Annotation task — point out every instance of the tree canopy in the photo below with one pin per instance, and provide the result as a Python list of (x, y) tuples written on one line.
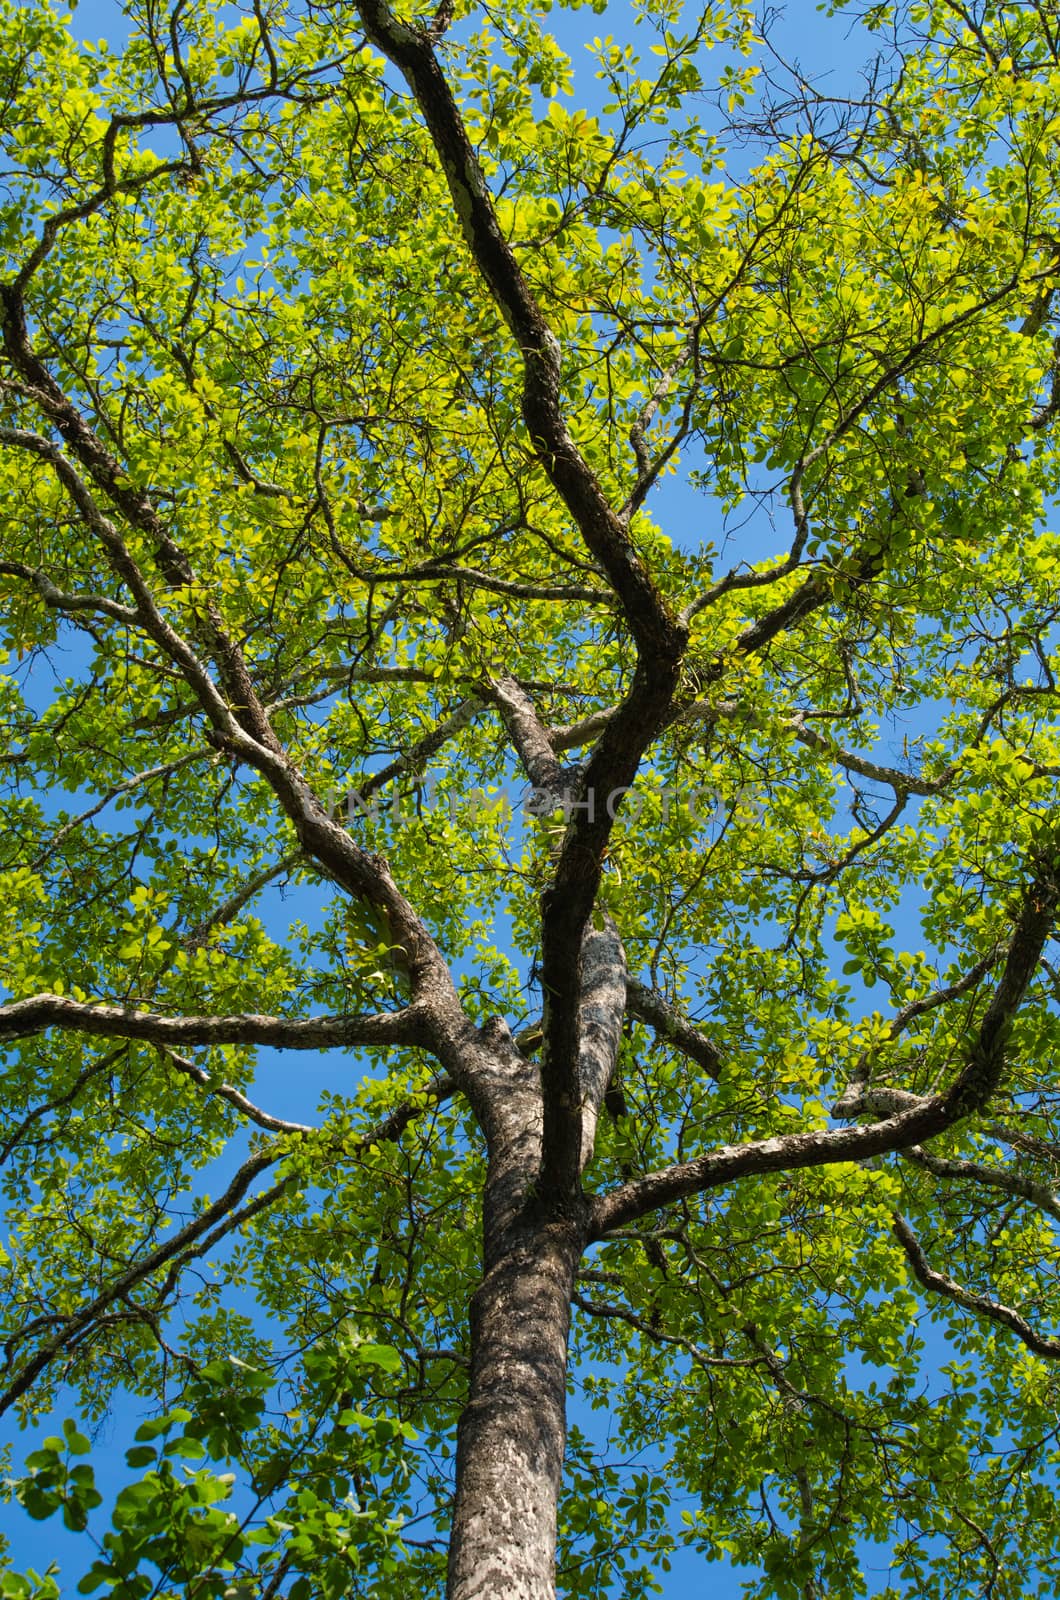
[(667, 894)]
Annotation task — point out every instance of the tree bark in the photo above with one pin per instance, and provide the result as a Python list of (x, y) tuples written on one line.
[(513, 1430)]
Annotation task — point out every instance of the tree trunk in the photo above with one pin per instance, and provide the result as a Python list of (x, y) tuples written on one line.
[(512, 1433)]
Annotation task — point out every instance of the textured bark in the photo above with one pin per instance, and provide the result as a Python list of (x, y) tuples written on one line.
[(603, 985), (653, 1008), (513, 1430), (24, 1018)]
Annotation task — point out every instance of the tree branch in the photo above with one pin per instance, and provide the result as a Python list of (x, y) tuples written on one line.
[(860, 1096), (442, 571), (1011, 1183), (785, 1153), (532, 743), (53, 596), (649, 1006), (91, 1070), (603, 1002), (969, 1094), (137, 781), (250, 737), (230, 908), (570, 736), (146, 613), (235, 1098), (950, 1289), (387, 1131), (411, 50), (136, 506), (413, 759), (903, 783), (197, 1237), (697, 1355), (568, 902), (22, 1019), (81, 1320)]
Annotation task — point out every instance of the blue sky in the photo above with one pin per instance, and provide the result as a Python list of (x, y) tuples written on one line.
[(827, 50)]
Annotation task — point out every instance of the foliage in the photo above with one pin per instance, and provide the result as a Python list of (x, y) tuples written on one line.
[(331, 522), (173, 1530)]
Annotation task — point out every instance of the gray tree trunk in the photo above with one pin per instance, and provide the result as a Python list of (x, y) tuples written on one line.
[(512, 1433)]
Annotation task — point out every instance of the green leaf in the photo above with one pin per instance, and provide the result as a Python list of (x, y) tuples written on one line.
[(384, 1356)]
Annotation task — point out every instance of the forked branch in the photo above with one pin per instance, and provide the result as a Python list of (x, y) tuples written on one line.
[(568, 903)]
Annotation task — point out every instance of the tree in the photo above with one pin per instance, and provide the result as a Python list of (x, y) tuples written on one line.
[(341, 359)]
